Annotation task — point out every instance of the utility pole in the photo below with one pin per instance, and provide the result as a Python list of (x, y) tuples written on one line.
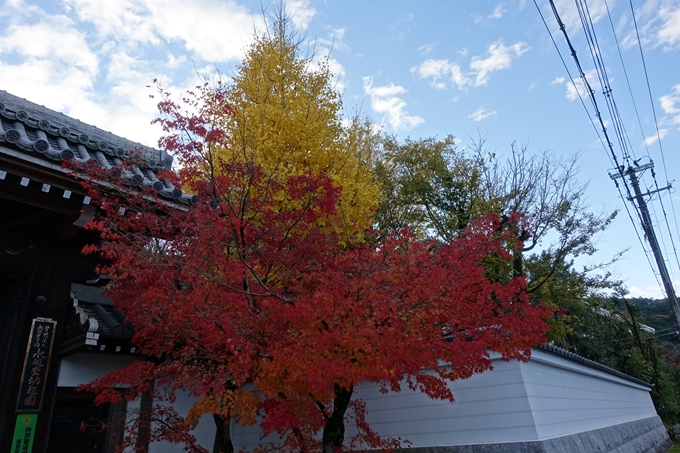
[(631, 172)]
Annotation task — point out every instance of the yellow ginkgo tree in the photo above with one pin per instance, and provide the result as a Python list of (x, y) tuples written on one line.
[(288, 120)]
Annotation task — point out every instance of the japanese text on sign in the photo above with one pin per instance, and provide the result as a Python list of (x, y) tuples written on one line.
[(36, 365)]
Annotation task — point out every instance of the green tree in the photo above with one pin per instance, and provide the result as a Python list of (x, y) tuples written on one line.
[(429, 186), (610, 331), (436, 189)]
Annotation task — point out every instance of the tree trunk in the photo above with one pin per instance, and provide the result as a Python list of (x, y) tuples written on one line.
[(223, 435), (144, 422), (517, 264), (334, 430)]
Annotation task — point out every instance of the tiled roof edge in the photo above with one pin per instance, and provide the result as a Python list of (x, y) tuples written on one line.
[(57, 124), (552, 349), (35, 131)]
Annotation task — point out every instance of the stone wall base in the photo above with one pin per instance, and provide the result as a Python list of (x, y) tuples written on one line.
[(641, 436)]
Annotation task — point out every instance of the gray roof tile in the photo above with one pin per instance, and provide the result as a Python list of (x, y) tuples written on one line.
[(52, 137)]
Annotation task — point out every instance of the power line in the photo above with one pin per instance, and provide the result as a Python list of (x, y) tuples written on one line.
[(644, 139), (619, 168), (589, 28), (601, 70), (625, 73), (571, 78), (608, 146), (649, 89), (658, 134), (631, 172), (589, 89), (631, 168)]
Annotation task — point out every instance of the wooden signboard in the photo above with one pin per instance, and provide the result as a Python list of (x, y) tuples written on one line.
[(36, 365)]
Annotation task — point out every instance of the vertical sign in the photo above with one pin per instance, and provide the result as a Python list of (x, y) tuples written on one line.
[(36, 365), (24, 431)]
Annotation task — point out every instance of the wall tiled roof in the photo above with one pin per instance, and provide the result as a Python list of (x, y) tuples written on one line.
[(552, 349), (95, 325), (97, 310), (48, 137)]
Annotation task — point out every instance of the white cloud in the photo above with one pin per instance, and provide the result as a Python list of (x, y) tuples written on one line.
[(176, 62), (406, 18), (497, 12), (94, 59), (401, 27), (336, 35), (126, 21), (667, 32), (669, 101), (497, 57), (570, 16), (481, 114), (426, 48), (578, 87), (99, 81), (654, 138), (57, 66), (301, 12), (323, 52), (440, 72), (658, 25), (670, 104), (385, 99), (212, 30), (338, 71), (650, 292), (57, 39)]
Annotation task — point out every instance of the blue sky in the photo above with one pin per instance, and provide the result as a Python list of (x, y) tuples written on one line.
[(466, 68)]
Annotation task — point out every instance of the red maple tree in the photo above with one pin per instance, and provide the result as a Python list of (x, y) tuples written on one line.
[(250, 302)]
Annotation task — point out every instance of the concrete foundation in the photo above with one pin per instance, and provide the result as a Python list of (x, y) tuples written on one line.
[(641, 436)]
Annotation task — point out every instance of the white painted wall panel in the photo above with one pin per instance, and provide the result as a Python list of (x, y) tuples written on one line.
[(495, 399), (249, 437), (204, 432), (547, 397), (567, 397), (84, 367)]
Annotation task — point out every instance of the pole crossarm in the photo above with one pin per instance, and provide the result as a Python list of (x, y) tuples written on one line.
[(648, 227)]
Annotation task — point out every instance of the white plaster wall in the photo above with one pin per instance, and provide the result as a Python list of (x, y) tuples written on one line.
[(204, 432), (495, 400), (83, 367), (549, 396), (567, 397), (249, 437)]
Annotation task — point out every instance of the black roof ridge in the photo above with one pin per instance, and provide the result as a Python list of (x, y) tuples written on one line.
[(90, 294), (556, 350)]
